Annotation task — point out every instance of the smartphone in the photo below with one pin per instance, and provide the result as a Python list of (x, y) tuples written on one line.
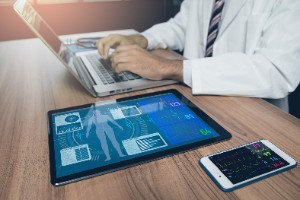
[(240, 166)]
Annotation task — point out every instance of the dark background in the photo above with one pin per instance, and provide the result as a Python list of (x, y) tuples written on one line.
[(73, 18), (294, 102)]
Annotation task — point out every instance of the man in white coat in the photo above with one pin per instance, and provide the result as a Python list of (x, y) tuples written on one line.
[(256, 53)]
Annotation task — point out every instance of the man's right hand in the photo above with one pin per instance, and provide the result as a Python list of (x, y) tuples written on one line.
[(115, 40)]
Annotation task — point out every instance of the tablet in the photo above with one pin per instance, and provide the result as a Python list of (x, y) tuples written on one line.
[(93, 139)]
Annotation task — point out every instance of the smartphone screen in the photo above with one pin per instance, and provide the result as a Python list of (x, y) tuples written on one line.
[(246, 162)]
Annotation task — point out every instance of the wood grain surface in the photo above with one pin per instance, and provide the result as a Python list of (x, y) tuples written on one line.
[(33, 81)]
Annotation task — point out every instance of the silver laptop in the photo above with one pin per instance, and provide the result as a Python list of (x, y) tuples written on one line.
[(87, 67)]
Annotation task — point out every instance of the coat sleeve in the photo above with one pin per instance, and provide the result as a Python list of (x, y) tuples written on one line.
[(169, 34), (272, 71)]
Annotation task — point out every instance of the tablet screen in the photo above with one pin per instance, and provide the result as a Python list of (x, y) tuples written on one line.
[(97, 138), (249, 161)]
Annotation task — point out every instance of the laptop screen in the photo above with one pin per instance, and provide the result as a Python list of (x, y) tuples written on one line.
[(39, 26)]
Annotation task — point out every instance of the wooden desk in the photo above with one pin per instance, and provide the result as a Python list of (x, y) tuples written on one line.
[(33, 81)]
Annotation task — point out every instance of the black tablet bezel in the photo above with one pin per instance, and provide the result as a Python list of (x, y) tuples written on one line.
[(224, 135)]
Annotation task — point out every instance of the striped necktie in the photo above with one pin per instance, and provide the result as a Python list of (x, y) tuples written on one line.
[(213, 26)]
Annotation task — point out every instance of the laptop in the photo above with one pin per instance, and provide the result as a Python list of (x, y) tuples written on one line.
[(87, 66)]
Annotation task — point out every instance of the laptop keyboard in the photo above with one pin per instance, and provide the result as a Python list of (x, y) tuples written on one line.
[(105, 73)]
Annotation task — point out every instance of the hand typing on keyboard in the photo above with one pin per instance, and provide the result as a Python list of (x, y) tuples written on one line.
[(130, 55), (105, 72), (139, 61)]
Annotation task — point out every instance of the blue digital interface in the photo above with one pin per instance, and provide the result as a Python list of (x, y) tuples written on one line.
[(97, 136), (247, 162)]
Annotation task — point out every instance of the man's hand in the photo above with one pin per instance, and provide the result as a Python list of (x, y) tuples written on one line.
[(129, 55), (115, 40), (139, 61)]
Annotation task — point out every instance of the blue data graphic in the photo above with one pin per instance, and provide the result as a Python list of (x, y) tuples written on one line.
[(176, 122), (97, 136)]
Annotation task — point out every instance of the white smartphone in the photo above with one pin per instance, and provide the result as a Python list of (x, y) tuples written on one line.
[(240, 166)]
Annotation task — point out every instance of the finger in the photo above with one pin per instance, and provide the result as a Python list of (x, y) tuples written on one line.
[(110, 44), (122, 67), (121, 56), (100, 46), (106, 48), (102, 43), (119, 59)]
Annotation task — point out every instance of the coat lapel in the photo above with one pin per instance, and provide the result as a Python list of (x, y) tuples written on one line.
[(231, 9)]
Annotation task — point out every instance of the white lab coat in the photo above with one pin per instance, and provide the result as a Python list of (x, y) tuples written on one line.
[(256, 54)]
